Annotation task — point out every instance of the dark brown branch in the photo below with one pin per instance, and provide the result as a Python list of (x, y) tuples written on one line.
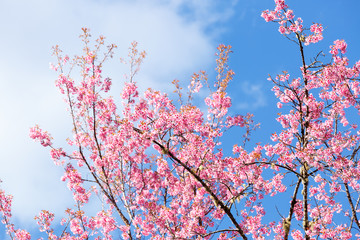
[(218, 231), (112, 200), (291, 212), (305, 183), (216, 200), (353, 210)]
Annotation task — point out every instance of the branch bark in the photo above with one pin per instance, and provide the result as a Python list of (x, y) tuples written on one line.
[(291, 212), (217, 201)]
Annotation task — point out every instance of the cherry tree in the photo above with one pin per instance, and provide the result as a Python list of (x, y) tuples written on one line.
[(158, 166)]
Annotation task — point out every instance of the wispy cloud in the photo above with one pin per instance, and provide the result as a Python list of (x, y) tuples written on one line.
[(174, 33), (253, 96)]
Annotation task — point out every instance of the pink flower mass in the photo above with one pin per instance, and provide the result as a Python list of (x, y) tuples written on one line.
[(161, 169)]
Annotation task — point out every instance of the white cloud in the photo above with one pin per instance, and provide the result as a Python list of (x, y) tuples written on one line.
[(254, 95), (174, 33)]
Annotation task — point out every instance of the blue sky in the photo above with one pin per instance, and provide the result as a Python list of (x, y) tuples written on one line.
[(180, 37)]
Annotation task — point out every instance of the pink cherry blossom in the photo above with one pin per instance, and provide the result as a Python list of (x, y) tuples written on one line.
[(162, 169)]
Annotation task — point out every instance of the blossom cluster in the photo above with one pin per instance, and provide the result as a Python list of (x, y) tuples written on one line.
[(160, 168), (288, 24)]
